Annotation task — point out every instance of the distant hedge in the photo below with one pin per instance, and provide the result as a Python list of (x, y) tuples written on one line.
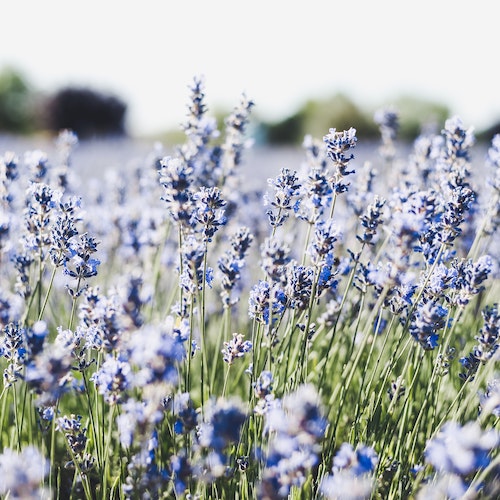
[(86, 112)]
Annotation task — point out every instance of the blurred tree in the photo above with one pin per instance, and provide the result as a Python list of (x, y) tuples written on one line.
[(417, 115), (87, 112), (16, 102), (316, 117)]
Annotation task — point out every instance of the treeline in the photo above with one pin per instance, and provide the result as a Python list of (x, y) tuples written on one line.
[(88, 112), (341, 112)]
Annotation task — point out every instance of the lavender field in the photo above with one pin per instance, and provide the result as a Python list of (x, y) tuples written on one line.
[(218, 320)]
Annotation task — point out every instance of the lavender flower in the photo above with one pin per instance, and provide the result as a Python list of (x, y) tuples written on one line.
[(489, 336), (286, 188), (444, 486), (314, 196), (352, 477), (49, 373), (388, 121), (322, 244), (299, 284), (13, 348), (38, 163), (219, 430), (182, 472), (22, 473), (155, 351), (275, 254), (112, 379), (338, 144), (145, 478), (182, 407), (461, 450), (428, 319), (235, 348), (266, 301), (63, 231), (297, 426), (137, 419), (74, 433), (470, 277), (488, 342), (232, 261), (193, 258), (222, 423), (234, 142), (100, 317), (264, 384), (209, 213), (176, 177), (489, 400), (370, 220), (80, 264)]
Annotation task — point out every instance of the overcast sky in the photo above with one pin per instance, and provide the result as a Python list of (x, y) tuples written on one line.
[(279, 52)]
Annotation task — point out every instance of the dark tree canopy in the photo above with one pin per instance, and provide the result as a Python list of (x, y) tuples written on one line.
[(87, 112)]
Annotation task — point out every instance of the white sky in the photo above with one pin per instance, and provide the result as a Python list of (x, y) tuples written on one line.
[(279, 52)]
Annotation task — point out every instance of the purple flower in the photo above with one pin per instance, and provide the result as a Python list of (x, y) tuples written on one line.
[(112, 379), (338, 144), (461, 449), (154, 351), (296, 428), (266, 300), (208, 211), (221, 425), (352, 473), (236, 348), (176, 177), (22, 473), (264, 384), (489, 400), (286, 188), (428, 319)]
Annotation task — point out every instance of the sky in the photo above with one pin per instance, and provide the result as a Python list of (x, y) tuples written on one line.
[(280, 53)]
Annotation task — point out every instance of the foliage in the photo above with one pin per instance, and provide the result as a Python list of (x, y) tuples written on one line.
[(316, 116), (16, 102), (87, 112)]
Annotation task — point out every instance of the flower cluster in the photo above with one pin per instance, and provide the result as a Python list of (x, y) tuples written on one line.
[(296, 426)]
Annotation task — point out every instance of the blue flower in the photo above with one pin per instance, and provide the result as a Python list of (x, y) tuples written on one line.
[(461, 449), (235, 348), (428, 318)]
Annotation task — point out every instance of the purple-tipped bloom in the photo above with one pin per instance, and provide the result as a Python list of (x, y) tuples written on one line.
[(297, 427), (176, 177), (182, 407), (222, 424), (460, 449), (352, 474), (235, 348), (113, 378), (489, 400), (487, 346), (338, 144), (21, 474), (470, 278), (73, 431), (429, 318), (266, 300), (286, 188), (209, 212), (154, 351)]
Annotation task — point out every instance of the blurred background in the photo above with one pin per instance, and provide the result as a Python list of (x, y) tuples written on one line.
[(122, 69)]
